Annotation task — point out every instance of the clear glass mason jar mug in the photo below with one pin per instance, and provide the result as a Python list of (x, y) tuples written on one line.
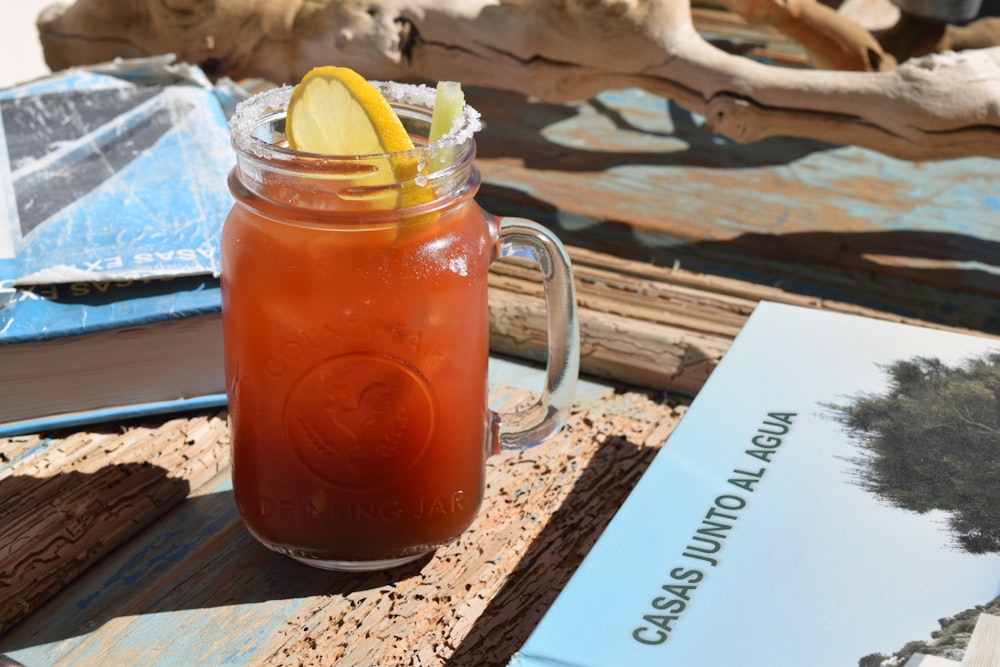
[(356, 325)]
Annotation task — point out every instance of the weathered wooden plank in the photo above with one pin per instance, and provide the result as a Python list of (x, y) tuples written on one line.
[(630, 174), (655, 327), (69, 502), (635, 351), (615, 293), (196, 589)]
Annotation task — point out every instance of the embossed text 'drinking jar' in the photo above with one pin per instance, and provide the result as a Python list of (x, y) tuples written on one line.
[(357, 339)]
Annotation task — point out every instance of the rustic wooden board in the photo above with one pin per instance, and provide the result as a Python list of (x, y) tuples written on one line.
[(69, 501), (633, 175), (194, 588), (655, 327)]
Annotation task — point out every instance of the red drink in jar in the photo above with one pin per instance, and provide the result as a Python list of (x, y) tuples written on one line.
[(357, 340)]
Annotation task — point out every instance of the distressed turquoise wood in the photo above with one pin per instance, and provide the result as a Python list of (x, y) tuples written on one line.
[(196, 589), (633, 174)]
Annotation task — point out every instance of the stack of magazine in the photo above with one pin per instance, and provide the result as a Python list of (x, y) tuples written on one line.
[(112, 194)]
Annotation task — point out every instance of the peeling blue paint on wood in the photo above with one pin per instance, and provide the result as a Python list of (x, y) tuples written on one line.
[(633, 174), (197, 589)]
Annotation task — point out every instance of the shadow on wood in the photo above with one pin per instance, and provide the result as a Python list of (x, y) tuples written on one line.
[(516, 127), (196, 581), (203, 559), (553, 556), (941, 277), (634, 175), (54, 528)]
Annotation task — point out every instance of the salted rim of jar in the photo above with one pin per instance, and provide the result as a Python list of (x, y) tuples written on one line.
[(259, 109)]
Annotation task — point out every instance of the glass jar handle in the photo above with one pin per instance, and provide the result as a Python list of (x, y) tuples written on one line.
[(530, 426)]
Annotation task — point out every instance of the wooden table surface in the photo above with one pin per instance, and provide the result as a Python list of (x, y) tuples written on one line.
[(631, 174), (121, 544), (193, 588)]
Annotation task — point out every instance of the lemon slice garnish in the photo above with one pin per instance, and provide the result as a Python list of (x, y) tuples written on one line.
[(335, 111)]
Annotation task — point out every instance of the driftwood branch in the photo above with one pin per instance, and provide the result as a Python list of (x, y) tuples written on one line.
[(940, 106)]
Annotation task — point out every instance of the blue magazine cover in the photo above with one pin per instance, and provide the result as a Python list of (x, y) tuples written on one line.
[(111, 182)]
